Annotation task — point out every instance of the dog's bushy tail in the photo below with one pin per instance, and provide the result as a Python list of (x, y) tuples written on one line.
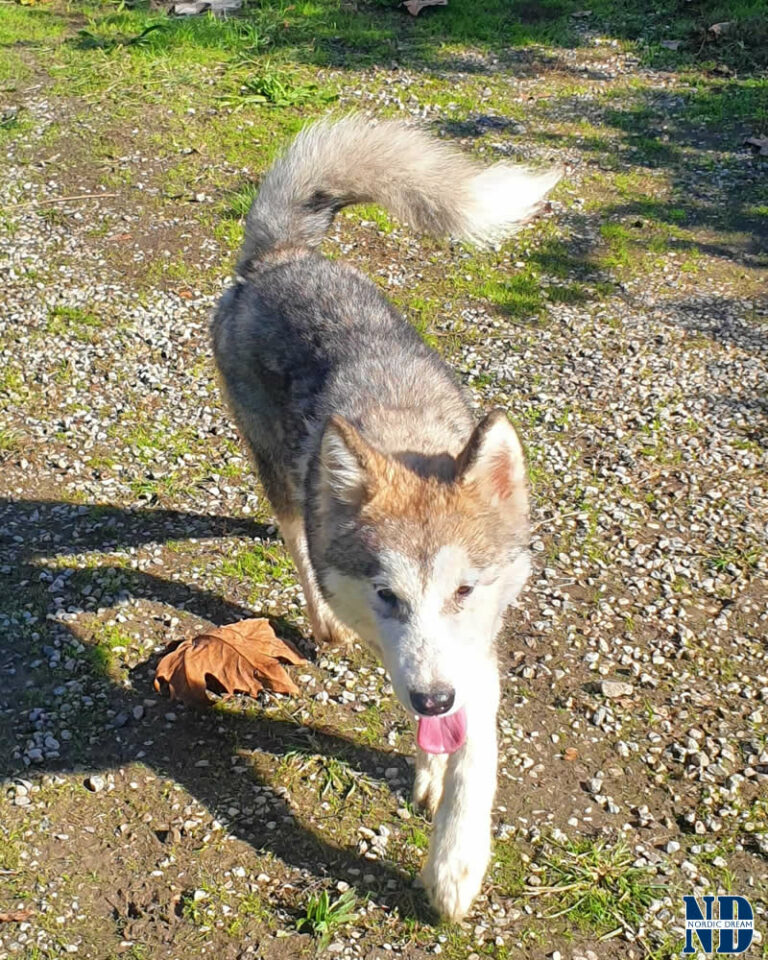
[(421, 180)]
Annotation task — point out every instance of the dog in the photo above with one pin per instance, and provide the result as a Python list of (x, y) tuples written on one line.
[(407, 521)]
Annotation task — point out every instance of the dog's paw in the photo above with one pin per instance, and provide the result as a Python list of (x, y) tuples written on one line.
[(329, 632), (428, 782), (453, 884)]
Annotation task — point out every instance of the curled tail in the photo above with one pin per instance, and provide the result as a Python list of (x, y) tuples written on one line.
[(419, 179)]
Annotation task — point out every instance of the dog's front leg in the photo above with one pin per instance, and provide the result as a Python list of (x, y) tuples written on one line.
[(429, 780), (461, 841)]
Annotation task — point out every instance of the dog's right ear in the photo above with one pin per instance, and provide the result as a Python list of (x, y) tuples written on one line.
[(349, 467), (493, 463)]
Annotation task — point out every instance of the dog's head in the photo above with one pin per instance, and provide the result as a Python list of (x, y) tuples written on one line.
[(422, 568)]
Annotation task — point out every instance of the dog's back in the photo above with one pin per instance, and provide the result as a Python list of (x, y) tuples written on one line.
[(301, 338)]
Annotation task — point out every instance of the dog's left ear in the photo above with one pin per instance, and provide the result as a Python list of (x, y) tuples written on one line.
[(493, 462), (349, 466)]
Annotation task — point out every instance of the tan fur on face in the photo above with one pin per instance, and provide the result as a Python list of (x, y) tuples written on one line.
[(407, 510), (371, 502)]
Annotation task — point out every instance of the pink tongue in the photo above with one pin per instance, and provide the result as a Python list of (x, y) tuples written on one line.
[(442, 734)]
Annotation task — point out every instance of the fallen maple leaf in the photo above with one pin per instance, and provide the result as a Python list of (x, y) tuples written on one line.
[(15, 916), (238, 658)]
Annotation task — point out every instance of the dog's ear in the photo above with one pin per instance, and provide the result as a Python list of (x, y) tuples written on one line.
[(493, 463), (349, 466)]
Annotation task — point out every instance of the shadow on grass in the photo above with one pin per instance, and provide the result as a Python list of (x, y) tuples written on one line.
[(30, 532)]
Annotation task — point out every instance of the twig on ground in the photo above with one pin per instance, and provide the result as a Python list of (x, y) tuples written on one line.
[(79, 196)]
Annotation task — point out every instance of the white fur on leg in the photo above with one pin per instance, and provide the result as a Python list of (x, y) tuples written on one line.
[(326, 627), (461, 842), (428, 783)]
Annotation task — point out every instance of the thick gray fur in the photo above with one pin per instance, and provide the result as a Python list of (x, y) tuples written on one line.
[(331, 165), (306, 338), (299, 337)]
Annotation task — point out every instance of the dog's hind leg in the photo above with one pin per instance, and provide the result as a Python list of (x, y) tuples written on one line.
[(326, 627), (428, 783), (461, 840)]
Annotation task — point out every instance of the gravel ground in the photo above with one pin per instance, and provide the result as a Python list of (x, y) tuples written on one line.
[(636, 673)]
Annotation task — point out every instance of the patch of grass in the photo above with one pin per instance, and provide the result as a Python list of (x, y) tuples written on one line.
[(418, 838), (744, 47), (595, 885), (572, 293), (253, 905), (10, 441), (421, 312), (10, 855), (11, 380), (335, 780), (73, 322), (745, 559), (324, 916), (238, 203), (261, 566), (735, 101), (275, 88), (372, 213), (617, 239), (30, 25), (519, 296), (373, 727), (147, 441), (98, 40)]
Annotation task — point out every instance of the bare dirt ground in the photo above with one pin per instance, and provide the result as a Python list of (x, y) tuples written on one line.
[(626, 333)]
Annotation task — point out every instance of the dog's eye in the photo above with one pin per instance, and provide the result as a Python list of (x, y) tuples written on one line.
[(464, 590), (387, 596)]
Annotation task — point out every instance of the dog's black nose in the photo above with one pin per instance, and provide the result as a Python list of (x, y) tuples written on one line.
[(434, 703)]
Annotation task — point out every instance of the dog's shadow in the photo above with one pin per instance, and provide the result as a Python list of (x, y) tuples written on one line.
[(195, 749)]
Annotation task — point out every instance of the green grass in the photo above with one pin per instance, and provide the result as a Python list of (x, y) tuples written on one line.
[(73, 322), (10, 441), (509, 869), (148, 440), (593, 884), (373, 727), (519, 296), (10, 853), (275, 88), (323, 916), (333, 780), (105, 649), (260, 566)]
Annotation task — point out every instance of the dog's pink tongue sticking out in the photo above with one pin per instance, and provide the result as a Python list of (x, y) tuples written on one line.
[(442, 734)]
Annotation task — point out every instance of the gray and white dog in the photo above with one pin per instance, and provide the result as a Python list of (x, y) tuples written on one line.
[(407, 521)]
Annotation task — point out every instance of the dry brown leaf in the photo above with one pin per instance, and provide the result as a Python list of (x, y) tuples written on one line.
[(570, 754), (759, 144), (414, 7), (238, 658), (15, 916)]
